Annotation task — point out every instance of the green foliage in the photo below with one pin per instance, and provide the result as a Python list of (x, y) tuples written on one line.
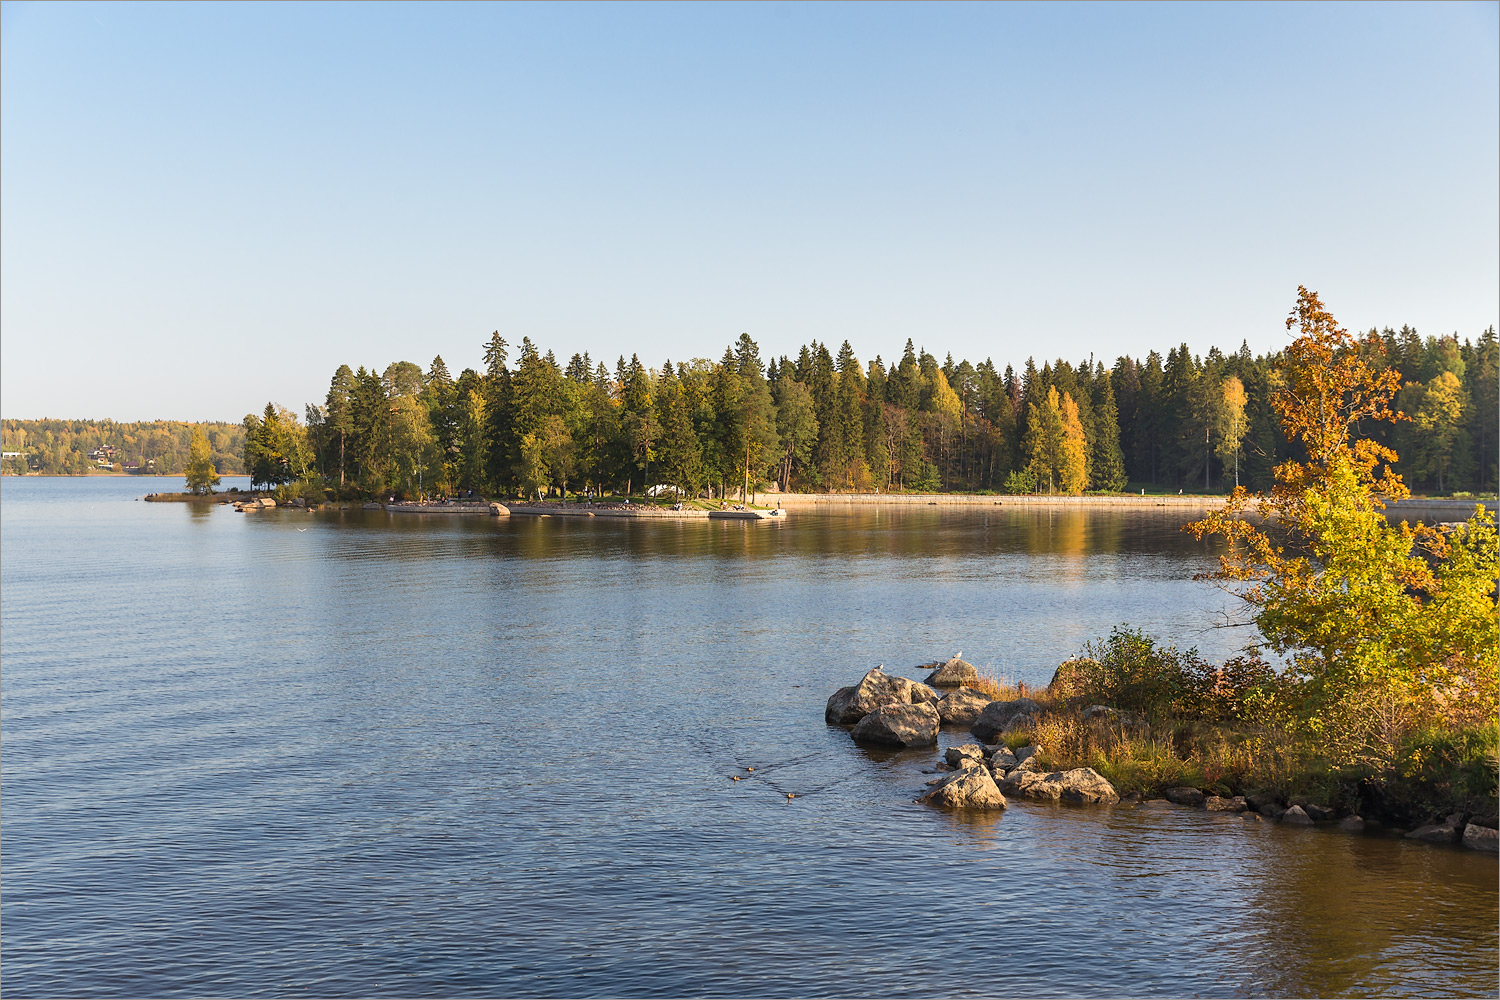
[(1130, 671), (200, 473), (62, 447), (1385, 626), (1020, 481)]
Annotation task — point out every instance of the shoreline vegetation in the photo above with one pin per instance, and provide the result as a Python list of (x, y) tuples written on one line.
[(1185, 738), (1379, 700)]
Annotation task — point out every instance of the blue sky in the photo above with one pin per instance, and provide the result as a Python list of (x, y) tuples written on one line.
[(209, 206)]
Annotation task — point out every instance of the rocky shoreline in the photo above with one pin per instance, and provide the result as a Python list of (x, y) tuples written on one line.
[(889, 711)]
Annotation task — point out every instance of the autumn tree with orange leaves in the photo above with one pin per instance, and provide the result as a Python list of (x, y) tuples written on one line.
[(1384, 626)]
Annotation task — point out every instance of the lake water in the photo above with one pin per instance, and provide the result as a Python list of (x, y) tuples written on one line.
[(377, 754)]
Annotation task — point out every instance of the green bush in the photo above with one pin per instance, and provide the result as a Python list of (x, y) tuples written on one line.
[(1131, 672), (1020, 481)]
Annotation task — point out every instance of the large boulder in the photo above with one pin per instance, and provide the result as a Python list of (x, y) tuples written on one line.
[(1019, 780), (1082, 785), (1001, 716), (953, 673), (970, 788), (1481, 838), (961, 707), (899, 726), (921, 693), (875, 690)]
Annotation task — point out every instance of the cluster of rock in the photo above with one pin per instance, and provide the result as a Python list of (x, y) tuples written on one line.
[(890, 711), (983, 775), (262, 503), (886, 710), (1474, 832)]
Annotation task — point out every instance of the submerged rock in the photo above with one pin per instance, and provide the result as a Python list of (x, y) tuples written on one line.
[(953, 673), (1001, 716), (899, 726), (875, 690), (970, 788), (1481, 838), (961, 707), (1218, 803), (1352, 824)]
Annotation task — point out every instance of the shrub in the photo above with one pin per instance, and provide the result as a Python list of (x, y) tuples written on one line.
[(1131, 672), (1020, 481)]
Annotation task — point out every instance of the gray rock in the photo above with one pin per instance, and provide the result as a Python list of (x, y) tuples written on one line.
[(1271, 810), (1024, 754), (953, 673), (372, 505), (1297, 817), (1017, 781), (922, 694), (1185, 796), (899, 726), (875, 690), (1352, 824), (1217, 803), (1481, 838), (1262, 797), (971, 788), (1002, 758), (1320, 814), (1099, 712), (968, 752), (961, 707), (499, 510), (1449, 831), (1082, 785), (1000, 716)]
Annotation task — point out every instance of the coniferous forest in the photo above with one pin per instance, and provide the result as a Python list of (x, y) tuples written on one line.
[(825, 421), (820, 421)]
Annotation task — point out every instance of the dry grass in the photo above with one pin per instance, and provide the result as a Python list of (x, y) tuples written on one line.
[(1002, 688)]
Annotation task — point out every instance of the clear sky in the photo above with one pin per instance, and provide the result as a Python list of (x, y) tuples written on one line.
[(203, 207)]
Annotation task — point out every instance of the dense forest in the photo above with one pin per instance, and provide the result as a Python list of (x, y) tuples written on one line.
[(77, 447), (824, 421)]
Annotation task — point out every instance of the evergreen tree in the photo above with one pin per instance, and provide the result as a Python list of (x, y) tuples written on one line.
[(1106, 460)]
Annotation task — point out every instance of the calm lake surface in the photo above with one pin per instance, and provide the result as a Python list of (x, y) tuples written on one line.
[(380, 754)]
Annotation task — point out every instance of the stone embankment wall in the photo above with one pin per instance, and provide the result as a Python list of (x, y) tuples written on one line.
[(1411, 510)]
